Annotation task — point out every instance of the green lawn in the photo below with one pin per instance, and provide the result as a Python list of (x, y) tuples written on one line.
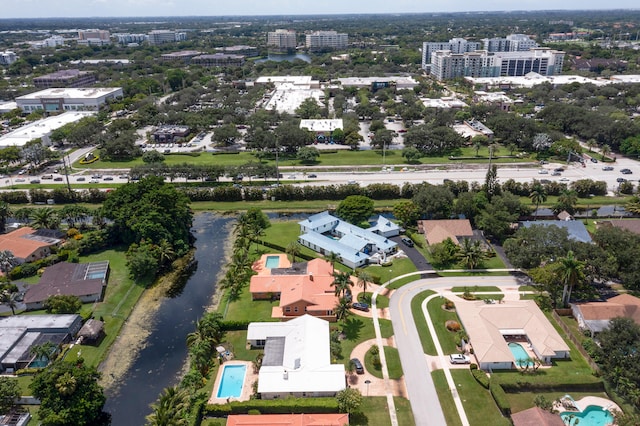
[(399, 267), (421, 324), (381, 301), (476, 288), (358, 329), (478, 403), (393, 363), (446, 400), (375, 412), (246, 309), (238, 340), (439, 317)]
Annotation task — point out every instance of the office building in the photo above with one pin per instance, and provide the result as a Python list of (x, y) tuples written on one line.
[(326, 40), (7, 57), (129, 39), (282, 39), (248, 51), (157, 37), (511, 43), (65, 78), (544, 61), (455, 45), (218, 60), (94, 37), (68, 99), (181, 56)]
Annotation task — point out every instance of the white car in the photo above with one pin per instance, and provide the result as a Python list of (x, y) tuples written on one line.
[(543, 171), (459, 359)]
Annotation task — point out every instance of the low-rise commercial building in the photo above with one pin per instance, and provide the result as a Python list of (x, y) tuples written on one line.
[(41, 129), (65, 78), (219, 60), (157, 37), (68, 99)]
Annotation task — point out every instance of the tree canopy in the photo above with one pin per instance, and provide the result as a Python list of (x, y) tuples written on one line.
[(355, 208)]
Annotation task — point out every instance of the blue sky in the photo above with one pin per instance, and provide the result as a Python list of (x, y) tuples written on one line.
[(108, 8)]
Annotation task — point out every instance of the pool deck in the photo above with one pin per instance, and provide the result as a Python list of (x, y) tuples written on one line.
[(247, 390), (583, 403)]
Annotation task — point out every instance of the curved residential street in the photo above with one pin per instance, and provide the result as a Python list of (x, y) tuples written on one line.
[(417, 373)]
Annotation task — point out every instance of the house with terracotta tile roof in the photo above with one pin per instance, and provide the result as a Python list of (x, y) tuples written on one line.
[(536, 416), (595, 316), (28, 244), (437, 231), (303, 288), (297, 359), (492, 328), (87, 281), (288, 420)]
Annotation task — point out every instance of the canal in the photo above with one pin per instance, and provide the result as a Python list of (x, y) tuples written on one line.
[(160, 362)]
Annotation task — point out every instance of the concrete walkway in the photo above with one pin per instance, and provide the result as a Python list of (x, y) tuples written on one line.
[(376, 386)]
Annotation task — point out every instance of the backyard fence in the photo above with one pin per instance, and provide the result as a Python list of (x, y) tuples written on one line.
[(576, 341)]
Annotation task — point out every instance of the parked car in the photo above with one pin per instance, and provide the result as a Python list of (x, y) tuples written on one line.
[(559, 169), (543, 171), (556, 174), (593, 160), (108, 178), (20, 180), (47, 177), (58, 179), (459, 359), (407, 241), (626, 171), (607, 168), (357, 365), (81, 179), (620, 180), (312, 176), (360, 306), (35, 181)]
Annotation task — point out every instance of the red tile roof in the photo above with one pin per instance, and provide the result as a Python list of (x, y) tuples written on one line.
[(536, 416), (288, 420), (21, 247)]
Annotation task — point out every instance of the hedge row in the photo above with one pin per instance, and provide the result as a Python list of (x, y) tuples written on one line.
[(234, 325), (274, 406), (595, 386), (481, 377), (500, 397)]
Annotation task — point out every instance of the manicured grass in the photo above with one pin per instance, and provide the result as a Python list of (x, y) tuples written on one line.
[(474, 274), (399, 267), (393, 363), (476, 288), (478, 403), (238, 340), (358, 329), (397, 284), (439, 317), (381, 301), (246, 309), (421, 323), (446, 400), (375, 412)]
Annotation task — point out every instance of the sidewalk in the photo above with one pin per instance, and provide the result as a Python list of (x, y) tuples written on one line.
[(376, 387)]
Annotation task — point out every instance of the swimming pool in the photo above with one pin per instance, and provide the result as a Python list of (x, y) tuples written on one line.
[(231, 381), (519, 353), (593, 415), (272, 262)]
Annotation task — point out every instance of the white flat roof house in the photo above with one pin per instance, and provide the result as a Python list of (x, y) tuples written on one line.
[(68, 99), (297, 359), (326, 234)]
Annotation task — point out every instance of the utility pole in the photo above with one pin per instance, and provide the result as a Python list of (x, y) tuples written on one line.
[(66, 173)]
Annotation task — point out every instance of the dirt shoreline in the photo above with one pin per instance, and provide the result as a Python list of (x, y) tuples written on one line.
[(136, 329)]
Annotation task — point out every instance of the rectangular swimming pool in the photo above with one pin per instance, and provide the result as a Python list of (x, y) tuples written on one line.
[(520, 354), (231, 381), (272, 262)]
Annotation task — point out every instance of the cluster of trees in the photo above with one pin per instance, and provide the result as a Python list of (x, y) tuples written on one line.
[(470, 253), (211, 172)]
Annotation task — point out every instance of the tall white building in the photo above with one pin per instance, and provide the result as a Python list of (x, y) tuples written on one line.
[(542, 60), (94, 37), (455, 45), (511, 43), (165, 36), (7, 57), (282, 39), (327, 39)]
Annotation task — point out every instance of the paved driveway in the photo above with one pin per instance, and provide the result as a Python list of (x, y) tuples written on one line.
[(412, 253)]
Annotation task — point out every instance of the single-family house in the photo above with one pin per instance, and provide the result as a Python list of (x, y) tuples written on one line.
[(631, 225), (297, 359), (355, 246), (595, 316), (302, 288), (576, 229), (28, 244), (437, 231), (495, 329), (88, 281), (386, 228), (536, 416), (327, 419)]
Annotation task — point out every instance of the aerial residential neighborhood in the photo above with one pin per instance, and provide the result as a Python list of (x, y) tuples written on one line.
[(380, 217)]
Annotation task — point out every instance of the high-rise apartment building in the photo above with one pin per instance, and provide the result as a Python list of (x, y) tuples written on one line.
[(282, 39), (165, 36), (511, 43), (7, 57), (455, 45), (544, 61), (326, 39)]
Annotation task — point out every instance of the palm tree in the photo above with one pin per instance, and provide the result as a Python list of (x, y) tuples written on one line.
[(570, 272), (170, 408), (166, 253), (293, 249), (566, 201), (591, 143), (24, 214), (45, 218), (332, 258), (342, 309), (43, 352), (633, 205), (363, 279), (341, 283), (5, 212), (9, 299), (471, 253), (74, 213), (605, 150), (66, 384), (538, 195)]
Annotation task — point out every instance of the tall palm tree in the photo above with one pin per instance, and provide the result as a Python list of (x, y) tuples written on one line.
[(24, 214), (45, 218), (363, 279), (570, 272), (170, 408), (538, 195), (66, 384), (341, 283), (633, 205), (332, 258), (9, 299), (567, 200), (293, 249), (591, 143), (342, 309), (166, 253), (471, 253), (605, 151), (43, 352), (5, 212)]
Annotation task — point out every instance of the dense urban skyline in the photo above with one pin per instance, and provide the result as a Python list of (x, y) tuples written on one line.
[(119, 8)]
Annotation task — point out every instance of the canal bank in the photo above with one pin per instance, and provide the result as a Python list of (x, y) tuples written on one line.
[(150, 353)]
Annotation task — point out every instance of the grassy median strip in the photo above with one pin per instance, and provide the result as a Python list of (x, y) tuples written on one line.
[(421, 323)]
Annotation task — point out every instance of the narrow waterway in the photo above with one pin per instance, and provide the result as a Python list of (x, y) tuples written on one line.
[(159, 364)]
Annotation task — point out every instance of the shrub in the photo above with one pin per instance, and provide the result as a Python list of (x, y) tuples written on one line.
[(448, 304), (500, 397), (473, 366), (453, 326), (481, 377)]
